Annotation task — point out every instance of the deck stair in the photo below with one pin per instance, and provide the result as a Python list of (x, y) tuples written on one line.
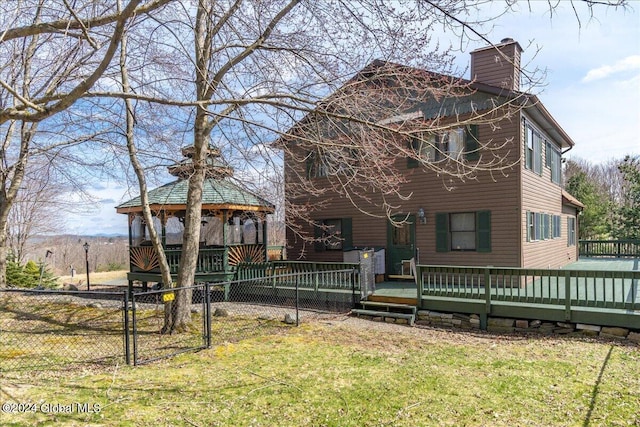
[(387, 309)]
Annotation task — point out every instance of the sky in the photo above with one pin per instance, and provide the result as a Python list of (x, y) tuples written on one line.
[(592, 87)]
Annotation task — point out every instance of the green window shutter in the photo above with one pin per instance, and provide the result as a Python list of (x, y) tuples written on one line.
[(440, 151), (414, 146), (483, 231), (471, 143), (529, 224), (347, 234), (547, 154), (442, 232), (309, 164), (318, 233)]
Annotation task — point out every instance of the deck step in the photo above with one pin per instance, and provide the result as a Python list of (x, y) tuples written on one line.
[(389, 306), (410, 317)]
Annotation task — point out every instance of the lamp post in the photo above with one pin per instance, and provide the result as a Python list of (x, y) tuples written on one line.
[(86, 258), (43, 265)]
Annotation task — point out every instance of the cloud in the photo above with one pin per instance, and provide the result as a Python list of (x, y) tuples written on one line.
[(629, 63)]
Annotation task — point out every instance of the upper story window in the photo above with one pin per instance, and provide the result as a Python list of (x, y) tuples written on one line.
[(533, 148), (554, 162), (454, 144), (333, 234), (330, 162)]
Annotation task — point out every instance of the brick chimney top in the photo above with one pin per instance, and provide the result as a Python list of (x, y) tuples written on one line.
[(498, 65)]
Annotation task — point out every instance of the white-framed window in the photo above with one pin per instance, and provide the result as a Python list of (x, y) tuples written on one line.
[(571, 231), (557, 219), (324, 163), (333, 234), (425, 146), (533, 148), (554, 162), (542, 226), (457, 143), (463, 231), (452, 143)]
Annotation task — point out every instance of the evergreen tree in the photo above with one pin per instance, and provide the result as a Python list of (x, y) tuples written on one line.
[(28, 275), (627, 221), (594, 219)]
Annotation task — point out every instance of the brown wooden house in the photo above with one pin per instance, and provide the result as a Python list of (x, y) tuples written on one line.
[(519, 216)]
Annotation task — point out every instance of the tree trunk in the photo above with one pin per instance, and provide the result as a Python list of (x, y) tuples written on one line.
[(144, 195), (192, 226)]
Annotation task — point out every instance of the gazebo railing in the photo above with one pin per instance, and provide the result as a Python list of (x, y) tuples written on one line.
[(210, 260)]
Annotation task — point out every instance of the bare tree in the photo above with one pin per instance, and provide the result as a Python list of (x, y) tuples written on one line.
[(37, 210), (52, 53)]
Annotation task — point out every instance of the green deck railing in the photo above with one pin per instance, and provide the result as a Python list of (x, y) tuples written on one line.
[(537, 293), (286, 274), (609, 248)]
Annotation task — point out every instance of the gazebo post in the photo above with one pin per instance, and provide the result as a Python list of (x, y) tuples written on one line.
[(163, 227), (130, 218), (225, 254), (263, 219)]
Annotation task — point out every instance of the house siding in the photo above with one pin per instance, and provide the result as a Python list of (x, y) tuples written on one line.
[(494, 191), (541, 195)]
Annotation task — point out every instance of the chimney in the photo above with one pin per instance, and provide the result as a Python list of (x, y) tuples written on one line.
[(498, 65)]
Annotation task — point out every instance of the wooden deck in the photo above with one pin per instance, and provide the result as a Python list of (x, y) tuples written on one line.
[(601, 292)]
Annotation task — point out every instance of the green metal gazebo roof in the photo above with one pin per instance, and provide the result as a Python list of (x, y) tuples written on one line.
[(216, 194)]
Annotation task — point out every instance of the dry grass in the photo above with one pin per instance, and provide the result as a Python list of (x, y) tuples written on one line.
[(95, 278)]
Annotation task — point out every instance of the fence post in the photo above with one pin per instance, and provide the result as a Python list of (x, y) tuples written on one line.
[(135, 329), (567, 295), (125, 313), (420, 278), (297, 301), (353, 288), (207, 314), (315, 269), (487, 297)]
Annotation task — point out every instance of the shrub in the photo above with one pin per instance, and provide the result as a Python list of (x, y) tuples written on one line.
[(28, 275)]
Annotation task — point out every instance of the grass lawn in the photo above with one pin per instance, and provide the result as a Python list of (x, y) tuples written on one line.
[(347, 372)]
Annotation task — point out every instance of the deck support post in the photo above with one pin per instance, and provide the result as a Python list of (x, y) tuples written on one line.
[(567, 295), (483, 321)]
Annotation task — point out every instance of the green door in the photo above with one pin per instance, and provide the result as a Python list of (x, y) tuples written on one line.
[(401, 243)]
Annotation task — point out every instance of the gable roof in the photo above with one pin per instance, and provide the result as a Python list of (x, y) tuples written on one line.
[(478, 97), (483, 98), (568, 199)]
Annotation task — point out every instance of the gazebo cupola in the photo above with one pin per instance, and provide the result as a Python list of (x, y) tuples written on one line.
[(233, 222)]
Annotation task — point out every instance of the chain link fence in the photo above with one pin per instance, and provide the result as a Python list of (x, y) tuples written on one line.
[(44, 328), (39, 329)]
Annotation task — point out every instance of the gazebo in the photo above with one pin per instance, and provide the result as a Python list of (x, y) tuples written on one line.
[(234, 226)]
